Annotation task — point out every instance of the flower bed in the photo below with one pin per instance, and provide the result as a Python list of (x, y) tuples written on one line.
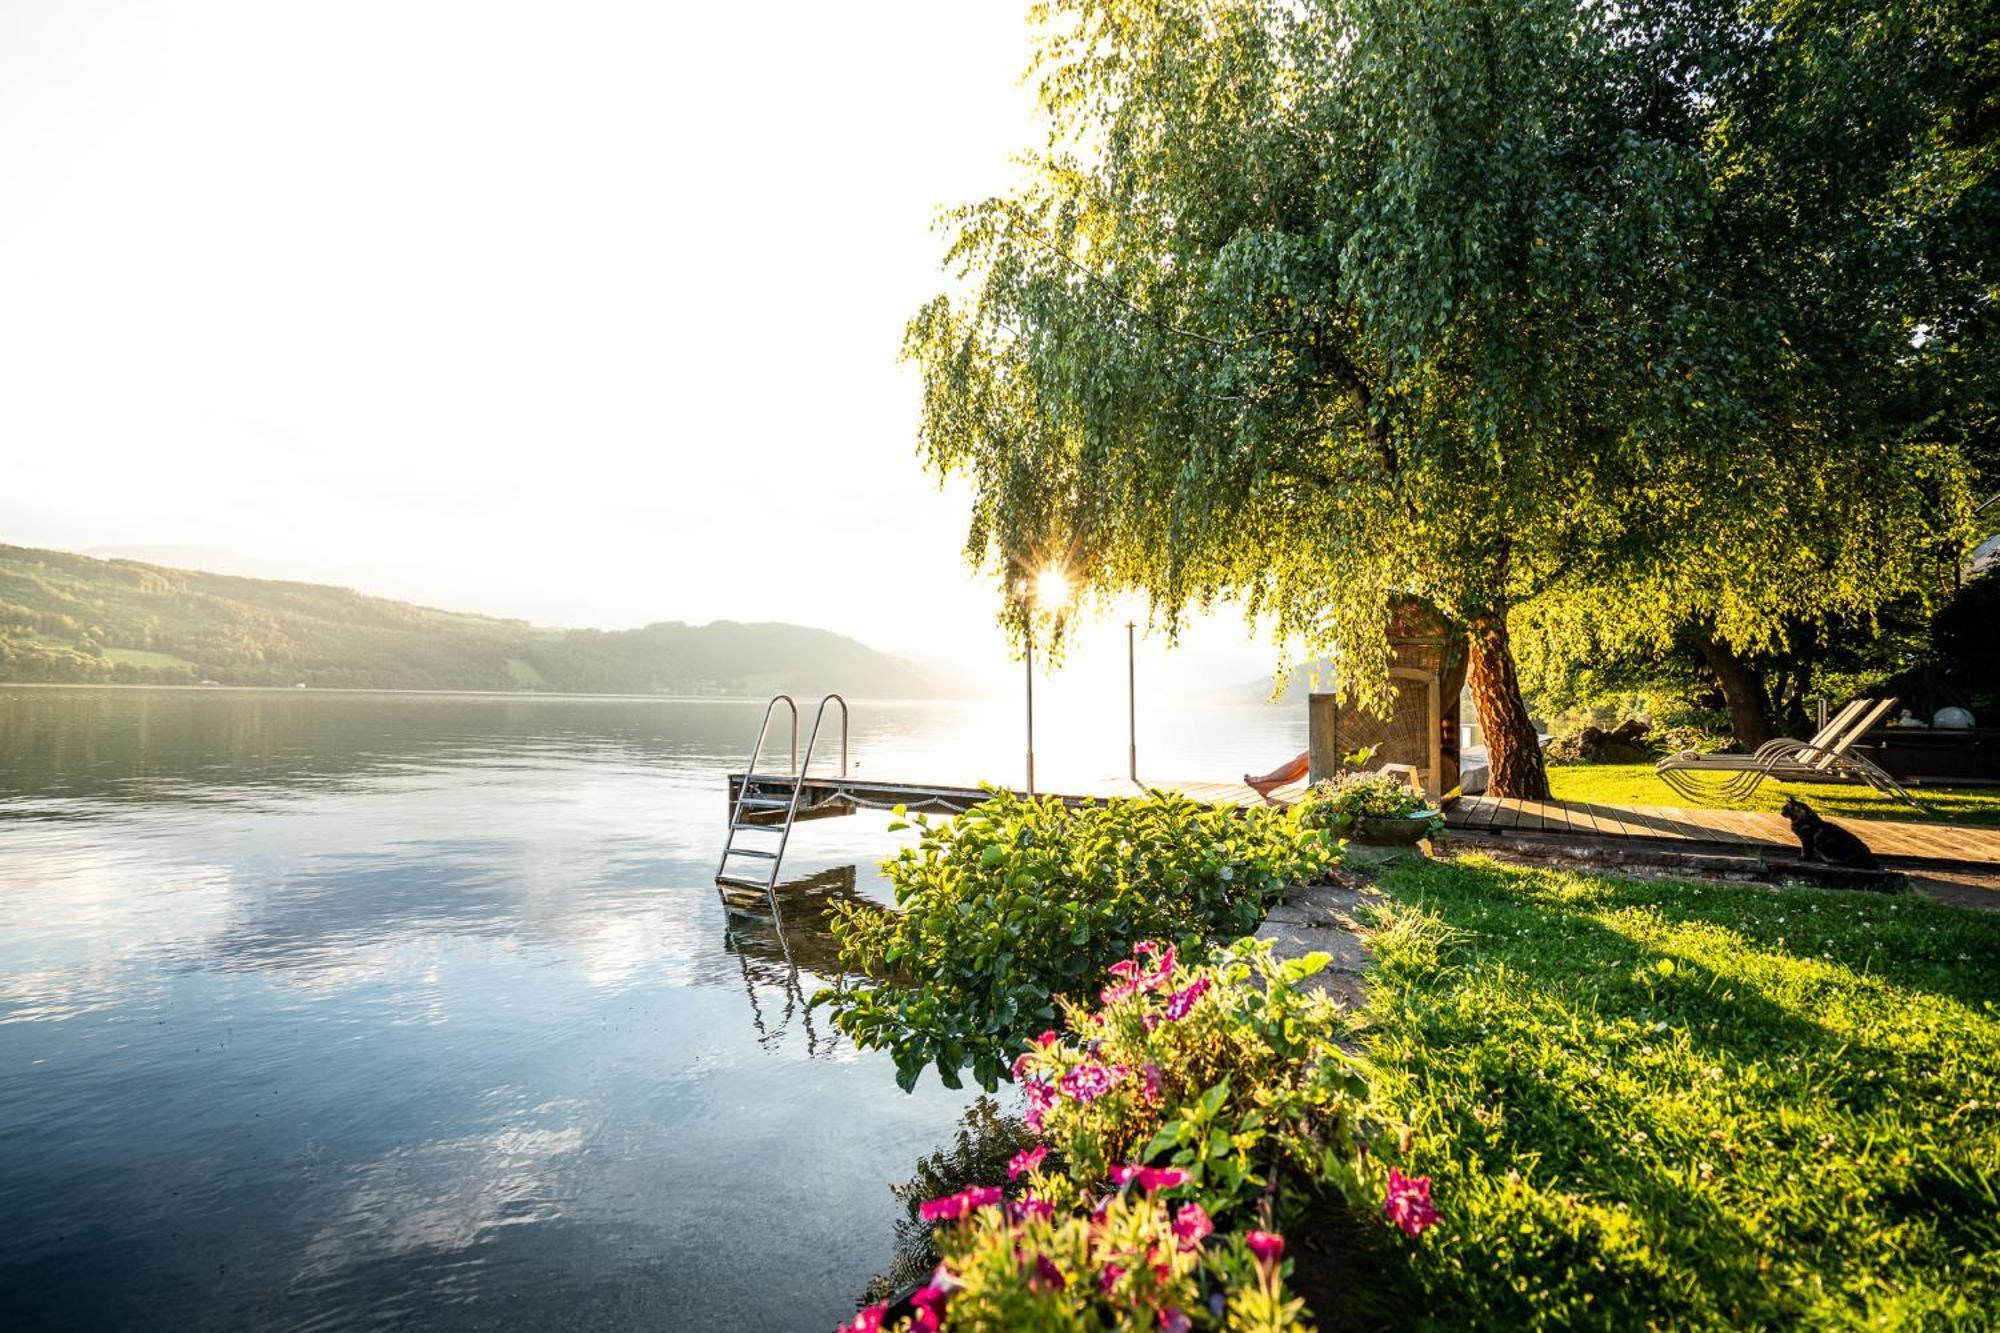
[(1184, 1120)]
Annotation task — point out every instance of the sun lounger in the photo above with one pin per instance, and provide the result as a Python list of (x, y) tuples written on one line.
[(1824, 758)]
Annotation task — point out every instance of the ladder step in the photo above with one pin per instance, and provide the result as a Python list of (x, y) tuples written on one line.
[(743, 881), (752, 851), (765, 802), (758, 828)]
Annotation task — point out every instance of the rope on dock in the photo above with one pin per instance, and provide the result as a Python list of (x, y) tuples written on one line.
[(938, 803)]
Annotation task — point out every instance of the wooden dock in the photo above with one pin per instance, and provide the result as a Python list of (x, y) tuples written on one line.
[(827, 794), (1698, 831)]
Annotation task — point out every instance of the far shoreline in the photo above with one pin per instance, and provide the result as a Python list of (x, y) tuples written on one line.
[(552, 696)]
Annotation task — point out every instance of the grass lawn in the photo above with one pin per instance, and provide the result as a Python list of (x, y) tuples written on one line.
[(1638, 784), (1649, 1104)]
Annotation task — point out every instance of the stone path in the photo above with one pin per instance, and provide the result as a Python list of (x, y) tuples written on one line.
[(1325, 918)]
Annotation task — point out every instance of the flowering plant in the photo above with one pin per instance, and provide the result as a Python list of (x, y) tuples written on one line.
[(1225, 1072), (1141, 1258), (1171, 1106)]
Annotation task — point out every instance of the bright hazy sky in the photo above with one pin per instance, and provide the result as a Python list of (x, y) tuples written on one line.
[(546, 310)]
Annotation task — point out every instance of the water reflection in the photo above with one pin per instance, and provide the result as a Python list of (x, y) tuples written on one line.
[(347, 1013), (340, 1011), (782, 939)]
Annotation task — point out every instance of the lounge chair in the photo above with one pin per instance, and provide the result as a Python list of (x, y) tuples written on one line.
[(1824, 758)]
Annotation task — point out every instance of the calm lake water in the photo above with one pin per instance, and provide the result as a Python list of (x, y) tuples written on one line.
[(327, 1011)]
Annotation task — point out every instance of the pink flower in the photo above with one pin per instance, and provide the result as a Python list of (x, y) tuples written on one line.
[(1149, 1082), (1163, 971), (1086, 1083), (1040, 1209), (1041, 1099), (867, 1320), (929, 1303), (1048, 1038), (1109, 1277), (1021, 1064), (1025, 1161), (1181, 1002), (1125, 970), (1150, 1177), (1111, 995), (1408, 1203), (1174, 1321), (1268, 1246), (1151, 1021), (954, 1206), (1192, 1225), (925, 1321), (1046, 1271)]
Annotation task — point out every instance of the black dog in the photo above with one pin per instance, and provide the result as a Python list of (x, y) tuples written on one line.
[(1830, 843)]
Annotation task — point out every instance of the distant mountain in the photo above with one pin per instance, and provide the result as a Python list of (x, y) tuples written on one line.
[(66, 617), (1296, 689)]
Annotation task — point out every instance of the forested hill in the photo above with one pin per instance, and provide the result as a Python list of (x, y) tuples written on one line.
[(69, 617)]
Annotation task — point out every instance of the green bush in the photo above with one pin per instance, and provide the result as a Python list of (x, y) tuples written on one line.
[(1018, 902)]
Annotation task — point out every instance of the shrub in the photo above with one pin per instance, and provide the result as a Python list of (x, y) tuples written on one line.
[(1018, 902)]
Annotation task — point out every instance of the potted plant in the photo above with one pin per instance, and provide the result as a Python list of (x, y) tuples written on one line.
[(1381, 809)]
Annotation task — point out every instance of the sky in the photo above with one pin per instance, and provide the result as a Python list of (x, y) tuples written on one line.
[(586, 313)]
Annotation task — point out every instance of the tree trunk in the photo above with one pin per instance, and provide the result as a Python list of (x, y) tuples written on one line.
[(1742, 691), (1513, 750)]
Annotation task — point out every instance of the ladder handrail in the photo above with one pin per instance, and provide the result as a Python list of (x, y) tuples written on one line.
[(750, 771), (800, 763), (799, 780)]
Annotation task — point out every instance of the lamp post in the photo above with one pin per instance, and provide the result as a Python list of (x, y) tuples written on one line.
[(1050, 593), (1132, 699), (1031, 706)]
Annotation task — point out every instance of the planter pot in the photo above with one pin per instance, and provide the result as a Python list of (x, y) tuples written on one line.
[(1403, 831)]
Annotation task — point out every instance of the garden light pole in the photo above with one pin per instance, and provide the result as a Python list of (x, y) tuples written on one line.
[(1051, 593), (1031, 706), (1132, 698)]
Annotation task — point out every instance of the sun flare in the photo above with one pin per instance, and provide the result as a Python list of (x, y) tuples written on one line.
[(1051, 589)]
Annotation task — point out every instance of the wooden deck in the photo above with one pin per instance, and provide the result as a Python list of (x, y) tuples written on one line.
[(1741, 832), (1657, 827)]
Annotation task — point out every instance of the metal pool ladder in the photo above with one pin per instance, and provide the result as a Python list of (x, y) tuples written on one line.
[(749, 803)]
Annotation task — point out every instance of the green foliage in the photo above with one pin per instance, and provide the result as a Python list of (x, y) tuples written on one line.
[(1017, 902), (71, 618), (1652, 1105), (1338, 803), (1655, 318)]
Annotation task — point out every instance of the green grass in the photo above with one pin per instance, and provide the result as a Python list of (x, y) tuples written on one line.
[(1650, 1104), (1638, 784)]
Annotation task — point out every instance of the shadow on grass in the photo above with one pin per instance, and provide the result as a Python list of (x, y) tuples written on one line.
[(1648, 1102)]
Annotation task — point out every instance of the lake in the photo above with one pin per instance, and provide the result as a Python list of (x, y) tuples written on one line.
[(337, 1010)]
